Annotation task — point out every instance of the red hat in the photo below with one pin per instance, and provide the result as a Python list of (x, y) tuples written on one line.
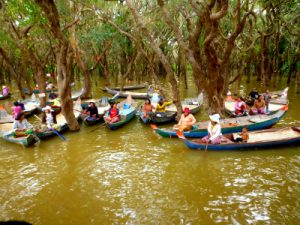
[(186, 110)]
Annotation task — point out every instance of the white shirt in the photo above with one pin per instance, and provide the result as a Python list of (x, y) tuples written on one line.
[(21, 126), (49, 120), (214, 131)]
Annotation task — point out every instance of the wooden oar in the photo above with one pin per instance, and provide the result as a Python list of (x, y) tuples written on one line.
[(55, 131)]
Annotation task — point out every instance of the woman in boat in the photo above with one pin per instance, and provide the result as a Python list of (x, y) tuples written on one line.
[(21, 126), (239, 106), (113, 114), (55, 103), (214, 130), (16, 109), (49, 117), (259, 105), (92, 110), (161, 106), (147, 108), (186, 122)]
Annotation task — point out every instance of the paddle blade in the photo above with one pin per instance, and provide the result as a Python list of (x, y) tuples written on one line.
[(153, 126), (180, 134), (59, 135)]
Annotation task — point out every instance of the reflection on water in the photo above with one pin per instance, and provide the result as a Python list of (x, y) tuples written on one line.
[(132, 176)]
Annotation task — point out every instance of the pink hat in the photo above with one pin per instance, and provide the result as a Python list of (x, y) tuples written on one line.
[(186, 110)]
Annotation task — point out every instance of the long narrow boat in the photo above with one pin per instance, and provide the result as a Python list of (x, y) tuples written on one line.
[(7, 135), (194, 104), (36, 91), (126, 115), (278, 100), (124, 94), (31, 107), (276, 137), (61, 122), (2, 97), (230, 125), (127, 88)]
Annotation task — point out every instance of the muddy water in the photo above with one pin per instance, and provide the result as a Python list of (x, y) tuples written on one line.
[(132, 176)]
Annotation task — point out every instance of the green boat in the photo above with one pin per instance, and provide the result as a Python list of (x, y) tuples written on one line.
[(126, 115), (8, 136)]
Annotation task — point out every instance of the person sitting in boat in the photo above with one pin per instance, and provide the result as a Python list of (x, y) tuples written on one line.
[(161, 106), (36, 87), (55, 103), (49, 117), (16, 109), (50, 86), (240, 106), (267, 98), (5, 90), (113, 113), (253, 94), (52, 95), (259, 105), (243, 136), (21, 126), (150, 90), (147, 108), (92, 110), (214, 130), (186, 122)]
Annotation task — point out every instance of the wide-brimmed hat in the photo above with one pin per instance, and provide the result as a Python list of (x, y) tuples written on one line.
[(186, 110), (215, 118), (228, 93), (48, 107)]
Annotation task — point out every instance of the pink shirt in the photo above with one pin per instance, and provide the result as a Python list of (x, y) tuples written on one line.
[(16, 111)]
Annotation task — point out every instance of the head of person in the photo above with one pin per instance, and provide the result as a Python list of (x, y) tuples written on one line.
[(214, 118), (115, 105), (267, 91), (16, 103), (20, 116), (148, 101), (92, 104), (245, 129), (47, 109), (186, 111), (161, 100), (111, 103), (228, 93), (3, 87), (238, 99), (261, 97)]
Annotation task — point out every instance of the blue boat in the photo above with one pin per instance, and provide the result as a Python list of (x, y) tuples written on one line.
[(230, 125), (269, 138)]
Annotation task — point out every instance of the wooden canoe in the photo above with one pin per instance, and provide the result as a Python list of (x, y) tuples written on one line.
[(31, 107), (126, 115), (194, 104), (273, 107), (230, 125), (2, 97), (7, 135), (124, 94), (269, 138), (127, 88), (36, 91), (62, 124)]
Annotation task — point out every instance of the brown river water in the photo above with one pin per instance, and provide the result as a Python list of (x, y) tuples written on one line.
[(133, 176)]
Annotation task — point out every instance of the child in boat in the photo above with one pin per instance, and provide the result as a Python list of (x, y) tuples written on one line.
[(244, 136), (267, 100), (186, 122), (113, 114), (92, 110), (214, 130), (49, 117), (147, 108), (21, 126), (16, 109)]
